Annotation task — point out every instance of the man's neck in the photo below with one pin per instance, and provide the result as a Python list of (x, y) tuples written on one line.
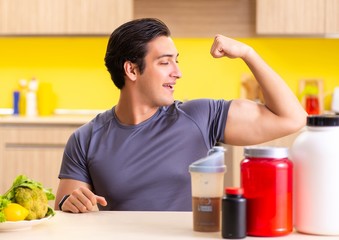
[(131, 112)]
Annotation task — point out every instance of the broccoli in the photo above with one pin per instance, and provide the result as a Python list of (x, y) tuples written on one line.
[(32, 196), (34, 200)]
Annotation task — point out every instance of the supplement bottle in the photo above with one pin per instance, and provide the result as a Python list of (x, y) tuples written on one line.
[(233, 214), (22, 99), (31, 98), (316, 160), (266, 177)]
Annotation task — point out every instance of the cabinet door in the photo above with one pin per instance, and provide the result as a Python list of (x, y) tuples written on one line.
[(34, 150), (30, 17), (96, 17), (332, 16), (290, 17), (48, 17)]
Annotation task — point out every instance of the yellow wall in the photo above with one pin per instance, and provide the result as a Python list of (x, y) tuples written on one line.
[(76, 68)]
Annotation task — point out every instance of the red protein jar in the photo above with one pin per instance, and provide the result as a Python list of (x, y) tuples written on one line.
[(266, 177)]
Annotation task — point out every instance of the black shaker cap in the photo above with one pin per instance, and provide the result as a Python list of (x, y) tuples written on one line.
[(325, 120)]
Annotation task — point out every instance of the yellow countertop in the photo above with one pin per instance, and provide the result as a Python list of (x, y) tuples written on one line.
[(54, 119)]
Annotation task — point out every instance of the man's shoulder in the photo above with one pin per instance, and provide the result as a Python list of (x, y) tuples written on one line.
[(201, 105), (98, 122), (187, 105)]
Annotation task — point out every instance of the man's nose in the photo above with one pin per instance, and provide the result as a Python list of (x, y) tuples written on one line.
[(177, 72)]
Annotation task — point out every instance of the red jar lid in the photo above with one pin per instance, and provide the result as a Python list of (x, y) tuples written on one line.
[(234, 190)]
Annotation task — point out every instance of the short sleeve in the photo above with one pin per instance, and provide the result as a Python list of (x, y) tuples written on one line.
[(74, 164), (210, 115)]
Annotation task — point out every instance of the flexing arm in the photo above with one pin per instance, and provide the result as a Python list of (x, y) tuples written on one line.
[(251, 123), (81, 198)]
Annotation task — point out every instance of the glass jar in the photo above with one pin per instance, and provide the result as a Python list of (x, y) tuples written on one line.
[(312, 105), (266, 177)]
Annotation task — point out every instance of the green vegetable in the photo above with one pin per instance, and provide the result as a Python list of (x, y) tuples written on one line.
[(3, 204), (31, 195), (34, 200)]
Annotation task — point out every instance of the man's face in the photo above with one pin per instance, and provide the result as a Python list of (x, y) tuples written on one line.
[(156, 83)]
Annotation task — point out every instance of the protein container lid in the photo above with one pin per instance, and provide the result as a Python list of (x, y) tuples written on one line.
[(266, 152), (323, 120)]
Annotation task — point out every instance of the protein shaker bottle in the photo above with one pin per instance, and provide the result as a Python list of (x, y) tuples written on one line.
[(316, 160), (207, 176), (266, 177)]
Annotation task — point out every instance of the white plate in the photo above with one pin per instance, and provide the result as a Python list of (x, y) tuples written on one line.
[(21, 225)]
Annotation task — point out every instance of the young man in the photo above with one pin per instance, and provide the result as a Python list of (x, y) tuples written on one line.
[(136, 155)]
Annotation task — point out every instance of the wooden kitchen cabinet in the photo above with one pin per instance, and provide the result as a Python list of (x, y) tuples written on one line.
[(34, 149), (201, 18), (332, 17), (64, 17), (297, 17)]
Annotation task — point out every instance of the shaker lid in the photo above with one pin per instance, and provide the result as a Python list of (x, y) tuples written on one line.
[(323, 120), (209, 164), (266, 152)]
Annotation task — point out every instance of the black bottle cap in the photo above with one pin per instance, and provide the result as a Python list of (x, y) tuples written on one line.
[(323, 120)]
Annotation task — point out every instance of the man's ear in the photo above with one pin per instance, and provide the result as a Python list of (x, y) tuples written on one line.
[(131, 70)]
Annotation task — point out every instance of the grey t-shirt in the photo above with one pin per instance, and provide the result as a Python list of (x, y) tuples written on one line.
[(144, 167)]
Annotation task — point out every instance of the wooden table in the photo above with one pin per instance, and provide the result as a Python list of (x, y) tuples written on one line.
[(124, 226)]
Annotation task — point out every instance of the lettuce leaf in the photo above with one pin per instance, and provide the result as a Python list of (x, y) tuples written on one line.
[(24, 181), (3, 204)]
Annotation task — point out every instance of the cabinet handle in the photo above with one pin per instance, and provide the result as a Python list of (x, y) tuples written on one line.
[(34, 145)]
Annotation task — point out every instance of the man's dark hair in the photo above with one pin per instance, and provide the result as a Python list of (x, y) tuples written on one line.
[(129, 43)]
